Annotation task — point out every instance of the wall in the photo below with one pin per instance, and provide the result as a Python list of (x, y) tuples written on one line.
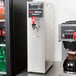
[(64, 10)]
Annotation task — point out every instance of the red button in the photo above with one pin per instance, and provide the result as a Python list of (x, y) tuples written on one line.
[(74, 35)]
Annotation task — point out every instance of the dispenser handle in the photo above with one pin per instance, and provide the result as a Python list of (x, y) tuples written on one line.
[(33, 20)]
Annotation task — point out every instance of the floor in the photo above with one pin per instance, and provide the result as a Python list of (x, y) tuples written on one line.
[(56, 70)]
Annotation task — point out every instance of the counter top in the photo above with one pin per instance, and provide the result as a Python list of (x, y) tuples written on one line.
[(56, 70)]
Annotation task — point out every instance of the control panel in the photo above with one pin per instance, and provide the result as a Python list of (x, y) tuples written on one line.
[(68, 31), (36, 10)]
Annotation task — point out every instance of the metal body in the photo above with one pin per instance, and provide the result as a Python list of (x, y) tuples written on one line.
[(40, 37)]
